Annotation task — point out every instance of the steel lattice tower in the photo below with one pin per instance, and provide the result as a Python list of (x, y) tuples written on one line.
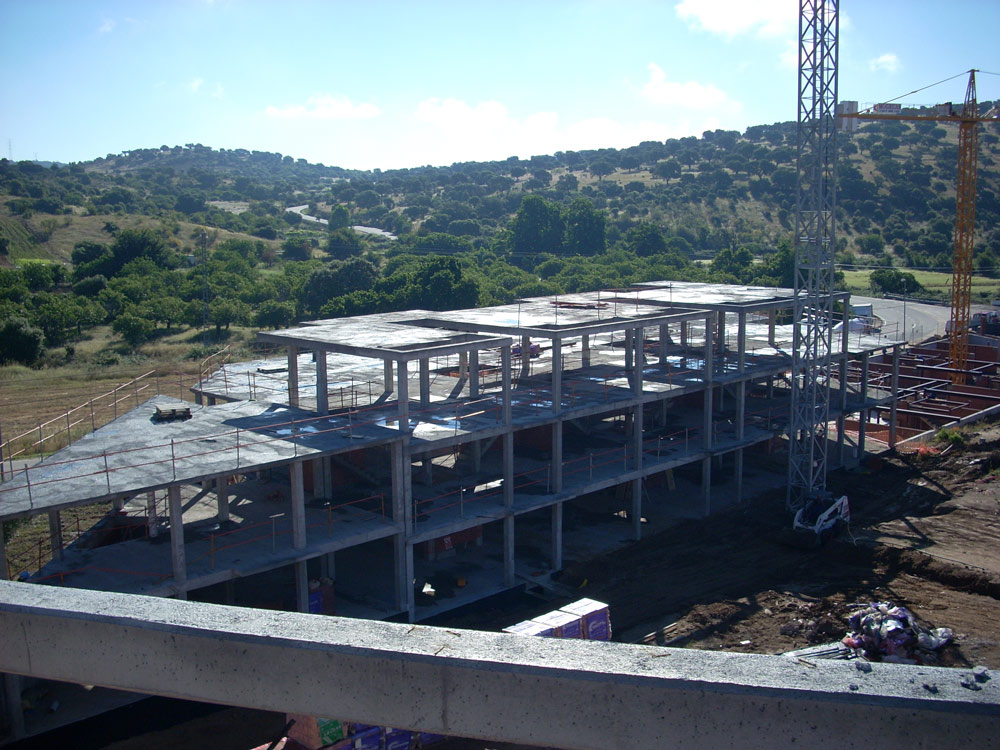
[(816, 161)]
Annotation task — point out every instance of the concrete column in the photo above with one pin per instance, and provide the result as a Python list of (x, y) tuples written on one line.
[(636, 512), (845, 334), (327, 476), (298, 505), (557, 454), (508, 551), (708, 404), (463, 364), (425, 382), (12, 696), (403, 566), (55, 534), (402, 507), (706, 464), (585, 350), (427, 465), (150, 508), (738, 472), (843, 410), (301, 586), (741, 344), (895, 397), (4, 572), (637, 409), (198, 398), (771, 319), (557, 534), (505, 404), (722, 332), (706, 486), (403, 396), (664, 340), (629, 352), (556, 375), (222, 497), (508, 435), (525, 356), (411, 600), (322, 384), (118, 503), (477, 455), (387, 375), (709, 362), (293, 376), (684, 333), (473, 373), (863, 414), (177, 537), (316, 467)]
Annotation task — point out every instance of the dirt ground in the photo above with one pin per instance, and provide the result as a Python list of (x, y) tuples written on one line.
[(925, 533)]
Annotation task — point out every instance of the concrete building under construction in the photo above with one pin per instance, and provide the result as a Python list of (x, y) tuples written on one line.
[(393, 466)]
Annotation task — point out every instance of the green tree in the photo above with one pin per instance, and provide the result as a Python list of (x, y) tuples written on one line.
[(645, 239), (601, 169), (296, 248), (344, 244), (223, 312), (133, 328), (667, 169), (538, 227), (275, 314), (586, 229), (20, 341), (340, 218), (891, 281)]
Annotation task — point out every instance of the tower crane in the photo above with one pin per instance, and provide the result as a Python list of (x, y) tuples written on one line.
[(968, 121)]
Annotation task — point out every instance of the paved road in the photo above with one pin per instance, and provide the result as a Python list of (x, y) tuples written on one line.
[(359, 228), (918, 319)]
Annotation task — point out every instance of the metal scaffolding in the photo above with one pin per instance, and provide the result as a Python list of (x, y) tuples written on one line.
[(816, 161)]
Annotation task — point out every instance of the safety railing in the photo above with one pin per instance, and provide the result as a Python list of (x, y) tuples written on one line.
[(59, 431)]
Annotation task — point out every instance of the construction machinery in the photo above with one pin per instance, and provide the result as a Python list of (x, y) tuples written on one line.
[(968, 120)]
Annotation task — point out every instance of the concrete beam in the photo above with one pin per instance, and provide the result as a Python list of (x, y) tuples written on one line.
[(535, 691)]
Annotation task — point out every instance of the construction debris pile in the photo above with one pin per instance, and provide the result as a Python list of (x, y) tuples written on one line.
[(881, 631)]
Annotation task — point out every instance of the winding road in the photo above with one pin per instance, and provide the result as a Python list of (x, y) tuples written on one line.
[(359, 228)]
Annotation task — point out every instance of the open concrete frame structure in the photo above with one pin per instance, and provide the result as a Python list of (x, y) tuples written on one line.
[(384, 441)]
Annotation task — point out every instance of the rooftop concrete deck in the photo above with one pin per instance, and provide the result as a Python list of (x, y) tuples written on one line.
[(136, 453)]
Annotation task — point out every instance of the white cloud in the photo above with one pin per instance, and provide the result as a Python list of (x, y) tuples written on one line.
[(767, 18), (218, 92), (789, 57), (107, 26), (449, 130), (195, 84), (887, 62), (689, 95), (325, 107)]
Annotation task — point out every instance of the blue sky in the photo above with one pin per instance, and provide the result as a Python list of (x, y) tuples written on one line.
[(365, 84)]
